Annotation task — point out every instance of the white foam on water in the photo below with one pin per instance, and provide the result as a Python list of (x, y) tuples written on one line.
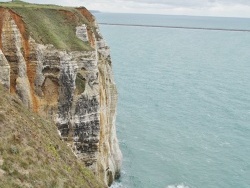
[(117, 185), (177, 186)]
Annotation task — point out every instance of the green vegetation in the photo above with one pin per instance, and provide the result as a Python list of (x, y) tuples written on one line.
[(80, 84), (17, 3), (32, 154), (51, 24)]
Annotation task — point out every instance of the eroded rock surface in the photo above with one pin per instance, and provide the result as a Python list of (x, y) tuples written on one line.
[(76, 89)]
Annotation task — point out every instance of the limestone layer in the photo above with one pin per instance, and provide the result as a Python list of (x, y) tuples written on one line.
[(76, 89)]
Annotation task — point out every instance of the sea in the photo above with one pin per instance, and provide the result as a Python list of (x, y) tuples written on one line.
[(183, 118)]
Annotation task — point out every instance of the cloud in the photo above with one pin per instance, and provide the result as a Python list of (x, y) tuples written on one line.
[(183, 3), (229, 8), (233, 8), (173, 3)]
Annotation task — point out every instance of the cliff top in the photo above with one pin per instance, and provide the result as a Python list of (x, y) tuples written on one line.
[(31, 152), (17, 3), (51, 24)]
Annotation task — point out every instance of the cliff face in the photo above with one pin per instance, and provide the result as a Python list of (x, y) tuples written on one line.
[(32, 153), (73, 87)]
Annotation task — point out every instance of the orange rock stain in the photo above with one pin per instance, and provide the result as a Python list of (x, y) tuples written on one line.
[(31, 68), (91, 37), (86, 14)]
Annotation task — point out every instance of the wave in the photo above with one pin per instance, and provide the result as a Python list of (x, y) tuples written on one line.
[(117, 185), (177, 186)]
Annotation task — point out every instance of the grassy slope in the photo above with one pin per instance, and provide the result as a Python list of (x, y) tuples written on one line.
[(32, 154), (48, 24)]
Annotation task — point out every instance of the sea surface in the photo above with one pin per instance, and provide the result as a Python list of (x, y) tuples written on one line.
[(183, 117)]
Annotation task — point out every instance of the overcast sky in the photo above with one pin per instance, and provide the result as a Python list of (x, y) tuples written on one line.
[(231, 8)]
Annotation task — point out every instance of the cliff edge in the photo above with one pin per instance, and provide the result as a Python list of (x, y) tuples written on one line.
[(55, 60)]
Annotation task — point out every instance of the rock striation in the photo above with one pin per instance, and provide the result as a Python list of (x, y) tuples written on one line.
[(74, 88)]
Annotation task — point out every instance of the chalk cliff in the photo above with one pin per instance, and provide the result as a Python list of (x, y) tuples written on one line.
[(56, 61)]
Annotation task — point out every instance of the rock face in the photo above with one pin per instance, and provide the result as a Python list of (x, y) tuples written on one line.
[(76, 89)]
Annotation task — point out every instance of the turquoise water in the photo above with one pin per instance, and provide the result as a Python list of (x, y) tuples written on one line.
[(184, 101)]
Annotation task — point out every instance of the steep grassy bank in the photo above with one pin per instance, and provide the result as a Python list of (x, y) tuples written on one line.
[(32, 154), (51, 24)]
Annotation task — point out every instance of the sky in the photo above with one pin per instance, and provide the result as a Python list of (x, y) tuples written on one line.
[(225, 8)]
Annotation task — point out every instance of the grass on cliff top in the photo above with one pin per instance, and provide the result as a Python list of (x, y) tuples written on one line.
[(51, 24), (17, 3), (32, 154)]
